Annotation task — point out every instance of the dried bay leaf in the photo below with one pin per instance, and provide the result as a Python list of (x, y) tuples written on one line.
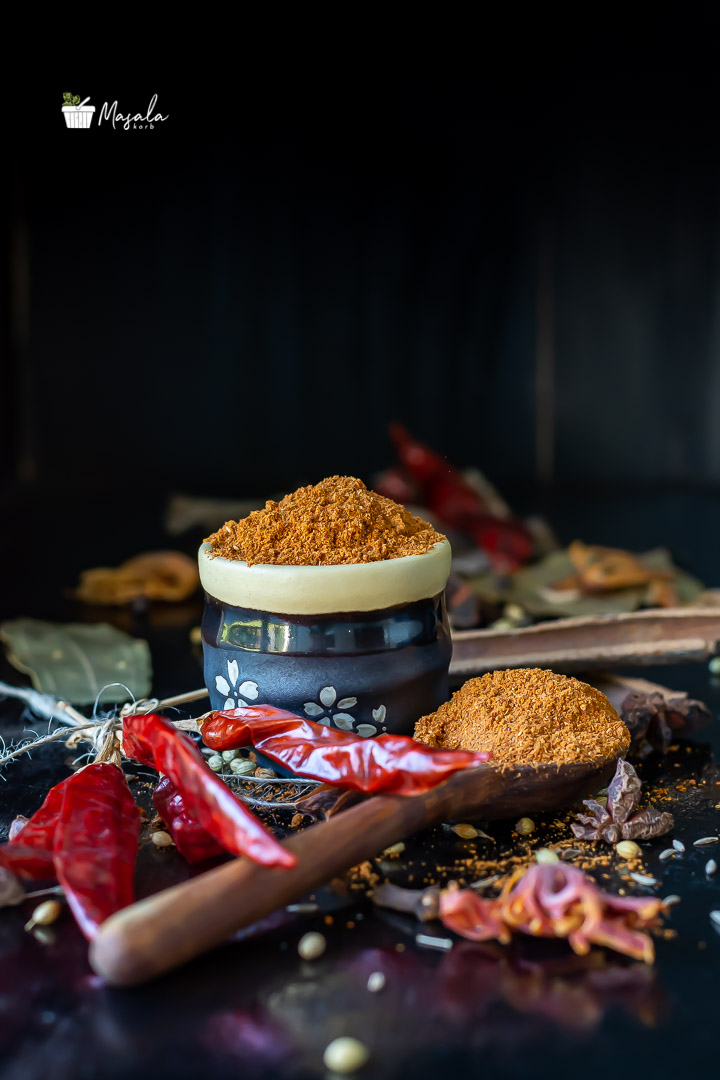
[(74, 661), (687, 587), (532, 588)]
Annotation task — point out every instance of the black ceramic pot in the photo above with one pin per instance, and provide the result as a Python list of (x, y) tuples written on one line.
[(363, 648)]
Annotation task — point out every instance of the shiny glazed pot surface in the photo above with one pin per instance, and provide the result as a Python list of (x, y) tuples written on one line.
[(370, 671)]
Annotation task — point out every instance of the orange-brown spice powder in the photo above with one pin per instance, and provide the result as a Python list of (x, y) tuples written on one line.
[(336, 521), (526, 716)]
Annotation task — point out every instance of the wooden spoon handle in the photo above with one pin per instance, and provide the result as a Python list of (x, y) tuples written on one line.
[(167, 929)]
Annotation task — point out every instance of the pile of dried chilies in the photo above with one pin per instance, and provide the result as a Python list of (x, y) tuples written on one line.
[(85, 834), (198, 794)]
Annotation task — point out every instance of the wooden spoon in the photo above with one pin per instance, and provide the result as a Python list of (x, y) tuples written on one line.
[(168, 929)]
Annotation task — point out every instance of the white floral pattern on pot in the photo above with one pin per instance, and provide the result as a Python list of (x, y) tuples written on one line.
[(235, 693), (322, 713)]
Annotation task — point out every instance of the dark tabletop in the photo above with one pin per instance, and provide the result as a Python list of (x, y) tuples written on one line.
[(255, 1009)]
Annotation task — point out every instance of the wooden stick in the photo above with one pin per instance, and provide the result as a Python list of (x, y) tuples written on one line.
[(171, 927), (634, 639)]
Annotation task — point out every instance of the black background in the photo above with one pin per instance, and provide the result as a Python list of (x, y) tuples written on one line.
[(501, 230)]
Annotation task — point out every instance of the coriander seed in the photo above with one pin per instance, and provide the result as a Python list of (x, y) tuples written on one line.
[(546, 857), (345, 1055), (242, 766), (162, 839), (628, 849), (465, 832), (44, 914), (311, 946)]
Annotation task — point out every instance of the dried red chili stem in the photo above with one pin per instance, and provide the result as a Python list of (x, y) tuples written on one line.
[(152, 740), (192, 841), (95, 844), (394, 764)]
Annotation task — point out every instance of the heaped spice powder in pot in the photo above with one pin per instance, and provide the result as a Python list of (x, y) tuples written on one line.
[(526, 716), (336, 521)]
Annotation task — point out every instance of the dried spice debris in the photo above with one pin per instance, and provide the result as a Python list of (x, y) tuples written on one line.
[(525, 716), (334, 522)]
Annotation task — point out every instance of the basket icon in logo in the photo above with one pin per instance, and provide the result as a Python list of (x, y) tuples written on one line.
[(76, 112)]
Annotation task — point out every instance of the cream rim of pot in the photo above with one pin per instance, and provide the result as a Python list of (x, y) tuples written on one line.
[(322, 590)]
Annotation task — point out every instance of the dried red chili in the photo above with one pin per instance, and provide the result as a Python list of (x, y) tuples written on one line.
[(446, 492), (28, 863), (95, 844), (192, 841), (85, 835), (30, 853), (152, 740), (389, 763)]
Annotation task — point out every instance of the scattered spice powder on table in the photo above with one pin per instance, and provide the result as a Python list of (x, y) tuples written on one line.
[(526, 716), (336, 521)]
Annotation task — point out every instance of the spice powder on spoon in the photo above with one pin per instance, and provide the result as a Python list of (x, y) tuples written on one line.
[(527, 716)]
